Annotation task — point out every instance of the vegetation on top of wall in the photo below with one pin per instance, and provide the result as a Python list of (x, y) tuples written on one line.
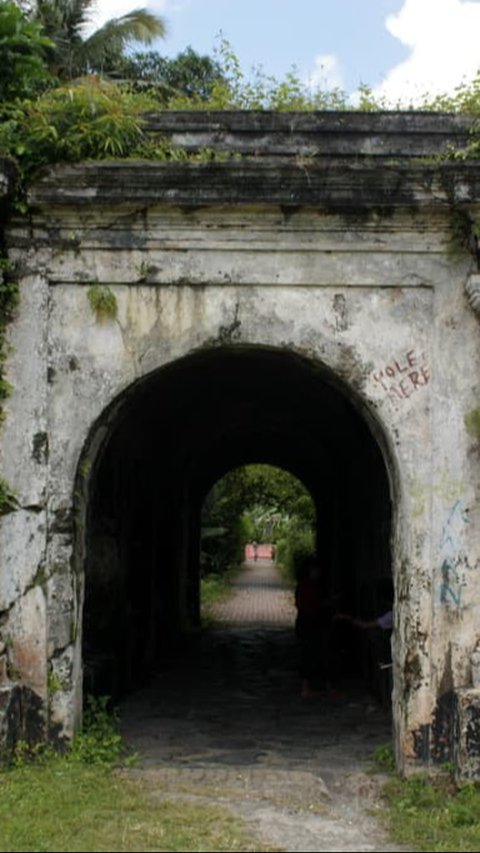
[(93, 117), (464, 235), (464, 100), (235, 90)]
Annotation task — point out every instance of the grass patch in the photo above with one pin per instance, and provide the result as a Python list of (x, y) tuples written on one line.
[(58, 805), (384, 758), (434, 814), (80, 801), (213, 589)]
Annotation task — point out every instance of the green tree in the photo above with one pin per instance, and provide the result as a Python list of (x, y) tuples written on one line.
[(23, 50), (63, 21), (188, 75)]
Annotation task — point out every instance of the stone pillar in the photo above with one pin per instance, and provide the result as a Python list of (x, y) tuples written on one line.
[(24, 455)]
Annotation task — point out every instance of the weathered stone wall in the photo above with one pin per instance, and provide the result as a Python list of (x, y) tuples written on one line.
[(332, 242)]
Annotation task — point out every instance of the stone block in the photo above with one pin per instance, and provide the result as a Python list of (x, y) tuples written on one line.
[(27, 629), (467, 740), (22, 548)]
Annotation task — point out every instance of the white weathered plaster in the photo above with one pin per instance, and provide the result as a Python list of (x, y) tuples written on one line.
[(27, 641), (379, 303), (25, 430), (22, 553)]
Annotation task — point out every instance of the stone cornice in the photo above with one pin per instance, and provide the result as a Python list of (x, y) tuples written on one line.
[(330, 185), (327, 134)]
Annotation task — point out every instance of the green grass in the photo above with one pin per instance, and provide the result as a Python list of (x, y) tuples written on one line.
[(434, 814), (60, 805), (214, 588), (84, 800), (384, 758)]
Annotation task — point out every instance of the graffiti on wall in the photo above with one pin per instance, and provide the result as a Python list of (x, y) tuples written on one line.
[(454, 561), (404, 376)]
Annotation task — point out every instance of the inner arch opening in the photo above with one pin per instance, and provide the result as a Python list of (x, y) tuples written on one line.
[(178, 432), (258, 514)]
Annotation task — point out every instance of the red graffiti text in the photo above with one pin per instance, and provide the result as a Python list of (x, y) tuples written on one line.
[(402, 377)]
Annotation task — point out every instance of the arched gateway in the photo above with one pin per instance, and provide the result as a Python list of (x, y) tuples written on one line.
[(294, 301)]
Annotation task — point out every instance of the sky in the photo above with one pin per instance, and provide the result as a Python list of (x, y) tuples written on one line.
[(400, 48)]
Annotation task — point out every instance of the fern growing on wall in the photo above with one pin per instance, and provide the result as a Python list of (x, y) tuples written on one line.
[(102, 302)]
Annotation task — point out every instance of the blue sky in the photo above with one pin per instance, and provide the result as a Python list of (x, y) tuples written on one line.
[(399, 47)]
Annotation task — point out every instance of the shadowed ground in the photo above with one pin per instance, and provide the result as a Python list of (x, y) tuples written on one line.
[(225, 721)]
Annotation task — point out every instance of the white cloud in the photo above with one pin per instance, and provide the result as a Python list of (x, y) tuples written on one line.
[(326, 73), (443, 37)]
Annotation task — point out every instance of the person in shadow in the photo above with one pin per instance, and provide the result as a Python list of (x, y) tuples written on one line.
[(315, 611)]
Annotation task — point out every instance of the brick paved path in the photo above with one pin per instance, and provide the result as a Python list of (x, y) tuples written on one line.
[(259, 597)]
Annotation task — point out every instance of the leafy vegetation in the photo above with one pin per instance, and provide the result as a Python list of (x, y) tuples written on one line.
[(297, 541), (102, 302), (99, 741), (189, 75), (465, 98), (91, 120), (236, 90), (434, 814), (214, 587), (384, 758), (23, 52), (429, 813)]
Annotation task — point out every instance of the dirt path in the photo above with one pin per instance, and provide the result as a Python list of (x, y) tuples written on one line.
[(225, 723)]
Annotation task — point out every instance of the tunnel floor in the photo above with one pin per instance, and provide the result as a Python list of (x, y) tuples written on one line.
[(225, 720)]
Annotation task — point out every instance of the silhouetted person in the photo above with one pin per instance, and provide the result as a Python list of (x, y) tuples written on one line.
[(255, 551), (313, 629)]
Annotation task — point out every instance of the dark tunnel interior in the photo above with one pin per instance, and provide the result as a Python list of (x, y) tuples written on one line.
[(172, 437)]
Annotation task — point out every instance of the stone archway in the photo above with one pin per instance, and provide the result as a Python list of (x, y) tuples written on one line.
[(172, 436), (339, 257)]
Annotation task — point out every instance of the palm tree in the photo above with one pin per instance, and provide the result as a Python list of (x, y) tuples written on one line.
[(63, 21)]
